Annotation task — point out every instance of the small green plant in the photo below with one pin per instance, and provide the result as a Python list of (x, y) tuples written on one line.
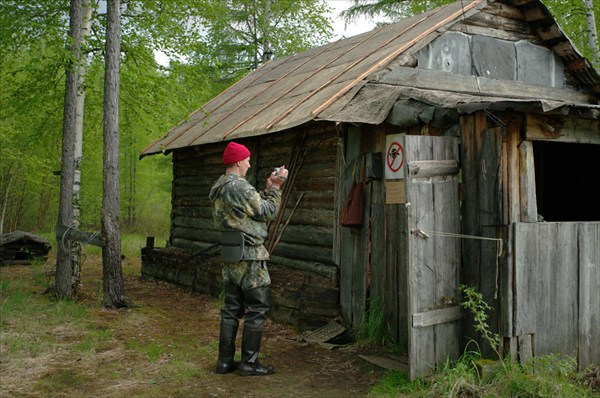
[(374, 328), (474, 302)]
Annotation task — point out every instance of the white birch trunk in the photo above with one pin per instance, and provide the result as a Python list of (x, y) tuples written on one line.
[(78, 152), (63, 280), (592, 32)]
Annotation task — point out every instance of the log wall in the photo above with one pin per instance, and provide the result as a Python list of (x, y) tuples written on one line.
[(304, 274)]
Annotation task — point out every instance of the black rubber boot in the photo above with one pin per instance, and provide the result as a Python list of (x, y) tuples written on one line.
[(225, 363), (250, 366), (233, 309)]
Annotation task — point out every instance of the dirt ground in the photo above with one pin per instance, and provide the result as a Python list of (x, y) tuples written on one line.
[(165, 345)]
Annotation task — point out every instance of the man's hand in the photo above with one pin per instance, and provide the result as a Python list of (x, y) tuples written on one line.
[(277, 178)]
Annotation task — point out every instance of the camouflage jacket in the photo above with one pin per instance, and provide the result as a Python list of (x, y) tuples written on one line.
[(238, 206)]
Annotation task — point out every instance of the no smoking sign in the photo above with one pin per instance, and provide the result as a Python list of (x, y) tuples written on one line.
[(394, 159)]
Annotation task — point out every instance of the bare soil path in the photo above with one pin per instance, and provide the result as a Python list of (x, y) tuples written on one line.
[(165, 345)]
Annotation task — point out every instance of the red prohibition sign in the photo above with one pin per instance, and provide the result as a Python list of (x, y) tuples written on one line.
[(395, 156)]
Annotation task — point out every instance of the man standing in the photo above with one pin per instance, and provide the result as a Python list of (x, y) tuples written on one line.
[(240, 212)]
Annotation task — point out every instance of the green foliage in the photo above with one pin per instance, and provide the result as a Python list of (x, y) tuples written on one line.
[(33, 55), (390, 11), (239, 32), (474, 302), (374, 328), (571, 17)]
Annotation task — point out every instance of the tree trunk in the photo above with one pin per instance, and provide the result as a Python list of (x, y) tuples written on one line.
[(63, 279), (114, 292), (5, 202), (44, 203), (592, 32), (80, 103)]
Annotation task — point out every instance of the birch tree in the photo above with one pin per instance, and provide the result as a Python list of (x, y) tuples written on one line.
[(78, 150), (64, 275), (592, 31)]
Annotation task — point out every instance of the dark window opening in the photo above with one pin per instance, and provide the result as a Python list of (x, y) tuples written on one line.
[(22, 255), (567, 178)]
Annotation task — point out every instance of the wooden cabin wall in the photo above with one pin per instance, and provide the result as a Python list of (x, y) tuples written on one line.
[(490, 202), (308, 236), (372, 264), (533, 285), (353, 256), (304, 273)]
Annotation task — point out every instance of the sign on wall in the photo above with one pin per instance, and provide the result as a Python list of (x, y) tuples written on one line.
[(394, 158), (395, 184)]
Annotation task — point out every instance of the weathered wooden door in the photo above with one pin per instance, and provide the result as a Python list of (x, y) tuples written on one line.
[(433, 257)]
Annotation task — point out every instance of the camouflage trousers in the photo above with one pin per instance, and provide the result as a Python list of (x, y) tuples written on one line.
[(246, 288), (247, 274)]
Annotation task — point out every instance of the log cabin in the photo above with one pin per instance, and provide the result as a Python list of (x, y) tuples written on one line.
[(473, 130)]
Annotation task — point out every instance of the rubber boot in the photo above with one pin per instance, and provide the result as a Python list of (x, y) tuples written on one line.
[(233, 309), (225, 363), (250, 366)]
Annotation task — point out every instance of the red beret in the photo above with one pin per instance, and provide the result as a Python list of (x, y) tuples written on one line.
[(235, 152)]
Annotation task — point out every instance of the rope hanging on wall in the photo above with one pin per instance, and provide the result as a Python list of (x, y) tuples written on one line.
[(499, 244)]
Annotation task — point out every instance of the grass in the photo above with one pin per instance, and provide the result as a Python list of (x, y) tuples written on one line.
[(473, 376), (546, 376), (57, 334), (131, 244), (76, 348), (374, 329)]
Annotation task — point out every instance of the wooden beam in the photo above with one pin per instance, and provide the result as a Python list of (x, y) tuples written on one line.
[(565, 49), (435, 317), (481, 86), (527, 182), (580, 131), (495, 33), (535, 14), (519, 3), (90, 238), (551, 32), (432, 168)]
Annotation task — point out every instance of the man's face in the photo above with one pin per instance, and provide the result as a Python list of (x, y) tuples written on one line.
[(244, 166)]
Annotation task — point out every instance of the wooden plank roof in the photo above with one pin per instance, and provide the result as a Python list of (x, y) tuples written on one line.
[(297, 89)]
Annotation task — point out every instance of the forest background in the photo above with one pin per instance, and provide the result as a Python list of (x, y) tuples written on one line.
[(210, 45)]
